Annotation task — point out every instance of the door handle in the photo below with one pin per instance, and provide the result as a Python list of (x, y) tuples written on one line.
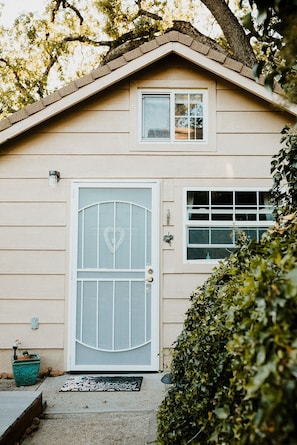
[(149, 279)]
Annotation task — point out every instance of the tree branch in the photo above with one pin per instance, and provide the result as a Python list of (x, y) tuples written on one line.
[(65, 4), (236, 37), (144, 12), (151, 15), (85, 39), (187, 28)]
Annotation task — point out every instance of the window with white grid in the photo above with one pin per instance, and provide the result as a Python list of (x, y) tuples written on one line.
[(215, 217)]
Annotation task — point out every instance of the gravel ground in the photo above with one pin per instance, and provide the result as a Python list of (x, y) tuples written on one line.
[(9, 385)]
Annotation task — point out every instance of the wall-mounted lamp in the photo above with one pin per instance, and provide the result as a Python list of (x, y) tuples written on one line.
[(53, 178)]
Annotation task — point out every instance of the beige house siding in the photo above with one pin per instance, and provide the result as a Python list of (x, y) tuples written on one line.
[(92, 141)]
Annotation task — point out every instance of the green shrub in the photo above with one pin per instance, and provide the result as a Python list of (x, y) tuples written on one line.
[(234, 365)]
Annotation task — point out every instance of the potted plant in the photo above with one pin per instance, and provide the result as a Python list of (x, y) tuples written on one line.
[(25, 366)]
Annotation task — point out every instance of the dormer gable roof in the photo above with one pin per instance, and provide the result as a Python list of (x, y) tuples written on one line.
[(173, 42)]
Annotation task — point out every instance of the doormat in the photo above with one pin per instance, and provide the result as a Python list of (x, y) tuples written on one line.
[(98, 383)]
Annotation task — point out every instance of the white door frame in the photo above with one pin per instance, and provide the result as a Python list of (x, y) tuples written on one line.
[(155, 322)]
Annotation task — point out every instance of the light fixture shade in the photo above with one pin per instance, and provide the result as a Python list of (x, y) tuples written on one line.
[(53, 178)]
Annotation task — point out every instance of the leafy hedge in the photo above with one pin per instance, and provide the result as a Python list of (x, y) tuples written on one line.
[(234, 365)]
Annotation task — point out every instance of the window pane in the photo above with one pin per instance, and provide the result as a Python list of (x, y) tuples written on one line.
[(188, 116), (222, 235), (200, 197), (181, 105), (246, 199), (196, 105), (219, 198), (156, 116), (198, 236), (244, 216), (198, 205), (265, 208), (216, 215), (264, 198), (254, 232), (208, 253), (182, 129), (196, 128)]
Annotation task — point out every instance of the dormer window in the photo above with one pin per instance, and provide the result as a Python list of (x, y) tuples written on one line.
[(178, 116)]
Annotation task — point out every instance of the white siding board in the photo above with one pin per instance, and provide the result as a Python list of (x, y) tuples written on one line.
[(32, 214), (32, 287), (91, 122), (148, 166), (249, 122), (174, 310), (33, 238), (168, 190), (248, 144), (114, 100), (82, 143), (181, 286), (238, 100), (170, 333), (46, 311), (28, 262), (47, 336), (31, 190)]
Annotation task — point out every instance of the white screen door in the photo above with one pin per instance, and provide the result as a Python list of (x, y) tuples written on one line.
[(114, 293)]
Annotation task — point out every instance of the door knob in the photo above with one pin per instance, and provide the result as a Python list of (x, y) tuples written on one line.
[(149, 279)]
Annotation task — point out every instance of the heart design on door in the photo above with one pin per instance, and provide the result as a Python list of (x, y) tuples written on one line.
[(113, 238)]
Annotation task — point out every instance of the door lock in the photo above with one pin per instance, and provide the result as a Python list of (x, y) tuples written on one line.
[(150, 271)]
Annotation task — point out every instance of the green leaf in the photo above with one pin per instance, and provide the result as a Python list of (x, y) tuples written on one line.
[(222, 413), (260, 377)]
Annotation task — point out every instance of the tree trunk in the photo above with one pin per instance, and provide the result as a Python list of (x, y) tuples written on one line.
[(233, 31)]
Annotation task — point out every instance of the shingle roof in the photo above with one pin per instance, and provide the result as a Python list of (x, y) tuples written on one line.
[(157, 48)]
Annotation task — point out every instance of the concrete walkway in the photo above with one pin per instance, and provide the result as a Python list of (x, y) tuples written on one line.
[(98, 418)]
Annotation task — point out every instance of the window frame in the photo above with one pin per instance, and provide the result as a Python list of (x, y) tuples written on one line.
[(209, 224), (171, 92), (170, 83)]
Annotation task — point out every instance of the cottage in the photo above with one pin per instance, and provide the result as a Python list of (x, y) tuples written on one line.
[(120, 192)]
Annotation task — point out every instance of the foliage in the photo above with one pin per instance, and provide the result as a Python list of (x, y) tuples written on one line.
[(273, 25), (284, 170), (234, 365), (40, 54)]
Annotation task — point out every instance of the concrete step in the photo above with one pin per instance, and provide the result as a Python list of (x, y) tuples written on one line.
[(17, 410)]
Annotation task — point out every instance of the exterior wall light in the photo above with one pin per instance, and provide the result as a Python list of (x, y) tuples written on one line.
[(53, 178)]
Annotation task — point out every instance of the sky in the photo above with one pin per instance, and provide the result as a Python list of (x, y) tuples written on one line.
[(13, 8)]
